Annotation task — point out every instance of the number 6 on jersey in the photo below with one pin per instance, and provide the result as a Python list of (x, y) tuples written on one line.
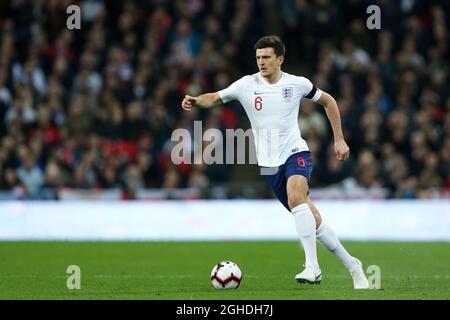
[(258, 103)]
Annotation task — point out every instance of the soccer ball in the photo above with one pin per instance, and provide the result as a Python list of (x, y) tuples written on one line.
[(226, 275)]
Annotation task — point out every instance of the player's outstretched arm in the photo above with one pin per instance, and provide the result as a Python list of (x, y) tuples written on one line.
[(206, 100), (340, 146)]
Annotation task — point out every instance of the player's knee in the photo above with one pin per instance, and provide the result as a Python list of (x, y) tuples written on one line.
[(296, 199)]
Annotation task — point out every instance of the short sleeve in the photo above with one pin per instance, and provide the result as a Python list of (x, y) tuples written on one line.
[(234, 91), (309, 90)]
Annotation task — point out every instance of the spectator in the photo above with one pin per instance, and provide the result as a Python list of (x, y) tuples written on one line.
[(30, 175)]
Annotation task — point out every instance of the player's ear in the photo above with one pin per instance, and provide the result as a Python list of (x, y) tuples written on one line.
[(280, 59)]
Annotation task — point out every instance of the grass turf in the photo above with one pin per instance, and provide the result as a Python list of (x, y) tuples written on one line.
[(181, 270)]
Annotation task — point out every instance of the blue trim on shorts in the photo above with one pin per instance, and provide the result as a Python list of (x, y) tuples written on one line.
[(299, 163)]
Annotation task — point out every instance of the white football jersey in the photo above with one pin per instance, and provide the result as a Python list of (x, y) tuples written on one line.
[(273, 113)]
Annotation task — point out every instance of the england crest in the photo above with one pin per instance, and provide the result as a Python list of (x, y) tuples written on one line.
[(287, 92)]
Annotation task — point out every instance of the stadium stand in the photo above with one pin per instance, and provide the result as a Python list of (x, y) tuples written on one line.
[(93, 109)]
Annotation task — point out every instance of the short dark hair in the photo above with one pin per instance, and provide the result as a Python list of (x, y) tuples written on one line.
[(271, 41)]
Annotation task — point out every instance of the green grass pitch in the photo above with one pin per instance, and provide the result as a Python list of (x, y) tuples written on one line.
[(181, 270)]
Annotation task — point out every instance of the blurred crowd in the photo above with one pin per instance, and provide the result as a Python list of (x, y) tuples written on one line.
[(95, 108)]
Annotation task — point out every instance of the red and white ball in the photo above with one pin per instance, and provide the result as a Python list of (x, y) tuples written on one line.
[(226, 275)]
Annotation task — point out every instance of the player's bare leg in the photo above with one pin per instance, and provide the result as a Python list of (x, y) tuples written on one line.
[(315, 212), (297, 189), (328, 239)]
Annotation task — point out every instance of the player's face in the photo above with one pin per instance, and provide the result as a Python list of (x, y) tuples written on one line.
[(268, 62)]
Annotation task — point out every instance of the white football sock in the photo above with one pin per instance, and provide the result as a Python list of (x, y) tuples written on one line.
[(306, 230), (326, 236)]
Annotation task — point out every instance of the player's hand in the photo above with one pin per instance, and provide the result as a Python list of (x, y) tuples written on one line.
[(188, 102), (341, 149)]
